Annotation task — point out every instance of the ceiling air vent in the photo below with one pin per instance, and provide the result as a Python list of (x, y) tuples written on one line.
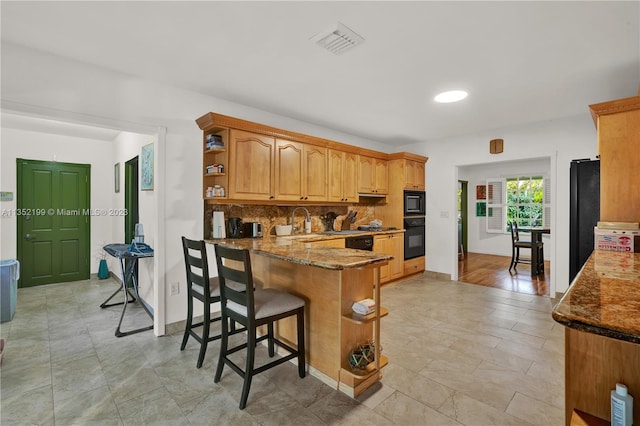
[(337, 39)]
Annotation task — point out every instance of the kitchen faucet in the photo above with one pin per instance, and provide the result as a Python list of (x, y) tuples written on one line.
[(308, 218)]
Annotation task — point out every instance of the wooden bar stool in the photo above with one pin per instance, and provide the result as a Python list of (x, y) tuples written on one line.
[(253, 308), (203, 288)]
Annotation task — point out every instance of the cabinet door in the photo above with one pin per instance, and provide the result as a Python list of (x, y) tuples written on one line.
[(618, 143), (392, 244), (314, 170), (289, 172), (382, 244), (381, 177), (350, 177), (366, 170), (397, 250), (338, 243), (336, 159), (420, 177), (250, 169), (414, 175), (343, 169)]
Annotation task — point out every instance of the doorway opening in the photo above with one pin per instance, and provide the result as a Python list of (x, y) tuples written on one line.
[(131, 205), (487, 254), (462, 218)]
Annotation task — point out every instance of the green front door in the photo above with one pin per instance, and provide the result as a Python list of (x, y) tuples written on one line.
[(53, 221)]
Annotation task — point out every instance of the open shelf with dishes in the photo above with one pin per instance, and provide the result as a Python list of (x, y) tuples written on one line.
[(214, 162)]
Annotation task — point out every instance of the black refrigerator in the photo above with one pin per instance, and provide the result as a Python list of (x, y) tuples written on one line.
[(584, 211)]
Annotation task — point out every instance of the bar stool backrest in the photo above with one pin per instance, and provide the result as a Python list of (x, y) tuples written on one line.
[(236, 284)]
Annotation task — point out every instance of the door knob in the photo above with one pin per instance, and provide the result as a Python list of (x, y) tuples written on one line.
[(29, 237)]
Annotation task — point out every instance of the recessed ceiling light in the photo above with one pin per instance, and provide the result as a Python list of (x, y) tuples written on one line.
[(451, 96)]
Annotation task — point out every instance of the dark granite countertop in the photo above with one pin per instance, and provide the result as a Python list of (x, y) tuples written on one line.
[(301, 250), (604, 298)]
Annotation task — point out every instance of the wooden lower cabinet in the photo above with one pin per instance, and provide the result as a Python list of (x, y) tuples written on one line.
[(332, 330), (338, 243), (390, 244), (413, 266), (593, 366)]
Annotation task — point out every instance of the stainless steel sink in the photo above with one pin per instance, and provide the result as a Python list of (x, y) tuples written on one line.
[(343, 232)]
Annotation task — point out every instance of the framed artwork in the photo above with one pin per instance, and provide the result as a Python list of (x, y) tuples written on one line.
[(146, 183), (481, 209), (116, 177), (481, 192)]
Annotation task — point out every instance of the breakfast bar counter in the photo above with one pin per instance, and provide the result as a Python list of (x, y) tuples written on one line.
[(301, 249), (601, 312), (330, 280)]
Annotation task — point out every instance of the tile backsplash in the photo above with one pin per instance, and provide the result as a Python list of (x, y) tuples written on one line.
[(270, 216)]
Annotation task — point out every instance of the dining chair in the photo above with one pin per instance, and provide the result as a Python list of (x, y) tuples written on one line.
[(253, 308), (517, 243), (203, 288)]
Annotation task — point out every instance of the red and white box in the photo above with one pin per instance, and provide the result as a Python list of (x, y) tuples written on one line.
[(615, 240)]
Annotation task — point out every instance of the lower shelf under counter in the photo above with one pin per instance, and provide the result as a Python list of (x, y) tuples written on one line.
[(331, 330)]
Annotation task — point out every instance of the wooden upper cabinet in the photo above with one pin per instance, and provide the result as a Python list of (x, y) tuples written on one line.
[(381, 179), (342, 172), (618, 124), (414, 175), (263, 163), (288, 170), (373, 175), (251, 166), (350, 177), (301, 172), (315, 173)]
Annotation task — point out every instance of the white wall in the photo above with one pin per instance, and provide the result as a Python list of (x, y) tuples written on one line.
[(479, 240), (18, 143), (126, 146), (39, 83), (561, 140)]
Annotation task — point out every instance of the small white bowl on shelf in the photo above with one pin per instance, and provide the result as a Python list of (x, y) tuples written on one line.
[(283, 229)]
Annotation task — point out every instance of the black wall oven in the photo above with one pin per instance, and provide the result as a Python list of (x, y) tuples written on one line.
[(414, 237), (414, 203)]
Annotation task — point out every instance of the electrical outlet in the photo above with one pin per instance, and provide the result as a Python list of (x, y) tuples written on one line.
[(175, 289)]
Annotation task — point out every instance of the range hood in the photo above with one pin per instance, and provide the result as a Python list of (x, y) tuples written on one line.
[(367, 195)]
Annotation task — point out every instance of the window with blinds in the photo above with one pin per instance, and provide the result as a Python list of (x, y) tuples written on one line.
[(524, 199)]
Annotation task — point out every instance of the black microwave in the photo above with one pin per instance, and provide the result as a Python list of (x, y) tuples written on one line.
[(414, 203)]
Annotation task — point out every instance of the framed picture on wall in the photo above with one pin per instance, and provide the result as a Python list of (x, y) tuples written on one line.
[(116, 177), (146, 183), (481, 209), (481, 192)]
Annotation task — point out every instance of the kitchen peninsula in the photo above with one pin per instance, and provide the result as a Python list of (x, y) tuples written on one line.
[(602, 335), (600, 309), (330, 280)]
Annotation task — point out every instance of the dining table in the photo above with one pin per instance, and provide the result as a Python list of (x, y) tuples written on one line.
[(536, 237)]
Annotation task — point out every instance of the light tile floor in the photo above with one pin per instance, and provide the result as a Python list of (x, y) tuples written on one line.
[(459, 354)]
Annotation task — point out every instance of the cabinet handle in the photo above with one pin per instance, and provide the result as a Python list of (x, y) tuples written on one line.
[(302, 198), (271, 197), (306, 198)]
